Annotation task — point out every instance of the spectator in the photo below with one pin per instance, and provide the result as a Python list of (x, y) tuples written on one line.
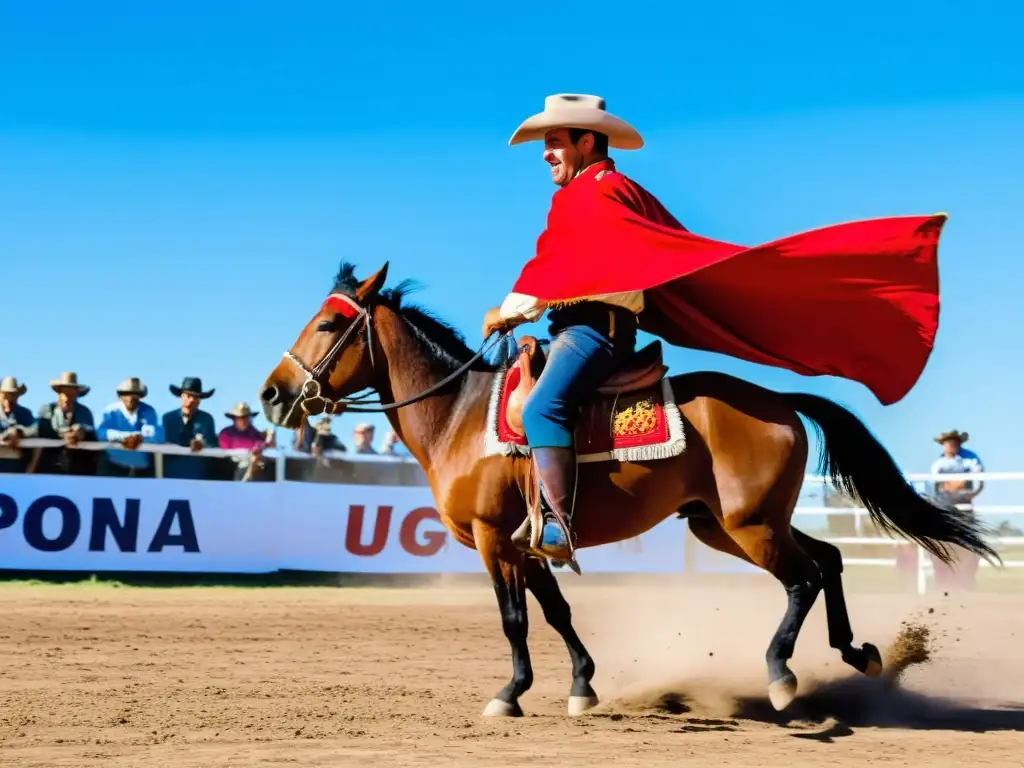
[(303, 442), (16, 424), (129, 422), (956, 459), (68, 420), (393, 445), (318, 440), (241, 434), (362, 436), (315, 439), (188, 426), (325, 440)]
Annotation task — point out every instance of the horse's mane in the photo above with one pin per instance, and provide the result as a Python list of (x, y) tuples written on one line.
[(440, 339)]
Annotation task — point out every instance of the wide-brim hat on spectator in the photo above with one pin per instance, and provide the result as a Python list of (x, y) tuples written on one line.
[(10, 385), (69, 380), (241, 409), (132, 386), (577, 110), (194, 386), (953, 434)]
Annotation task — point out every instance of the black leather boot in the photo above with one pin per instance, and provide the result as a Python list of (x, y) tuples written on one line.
[(556, 469)]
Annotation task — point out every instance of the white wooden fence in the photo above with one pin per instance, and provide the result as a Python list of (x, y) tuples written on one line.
[(925, 569)]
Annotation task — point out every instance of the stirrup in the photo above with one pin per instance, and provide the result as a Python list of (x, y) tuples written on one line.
[(522, 539)]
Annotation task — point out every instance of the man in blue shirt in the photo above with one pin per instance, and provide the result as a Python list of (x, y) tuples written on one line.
[(956, 460), (129, 422)]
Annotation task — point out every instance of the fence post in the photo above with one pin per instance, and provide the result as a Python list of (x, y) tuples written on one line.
[(279, 467), (922, 576)]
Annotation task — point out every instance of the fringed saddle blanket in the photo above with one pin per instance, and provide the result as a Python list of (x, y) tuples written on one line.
[(637, 426)]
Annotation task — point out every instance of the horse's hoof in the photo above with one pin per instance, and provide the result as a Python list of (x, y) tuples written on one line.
[(499, 708), (580, 704), (782, 692), (866, 659), (873, 668)]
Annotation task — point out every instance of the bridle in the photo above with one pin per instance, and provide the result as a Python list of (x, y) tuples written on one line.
[(311, 399)]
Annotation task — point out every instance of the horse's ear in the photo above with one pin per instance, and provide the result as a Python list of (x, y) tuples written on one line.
[(371, 286)]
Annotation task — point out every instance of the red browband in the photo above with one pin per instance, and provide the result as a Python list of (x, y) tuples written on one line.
[(341, 304)]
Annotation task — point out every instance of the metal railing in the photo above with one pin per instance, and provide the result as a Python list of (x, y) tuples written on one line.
[(159, 450)]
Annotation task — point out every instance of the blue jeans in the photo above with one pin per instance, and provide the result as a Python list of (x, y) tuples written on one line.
[(579, 359)]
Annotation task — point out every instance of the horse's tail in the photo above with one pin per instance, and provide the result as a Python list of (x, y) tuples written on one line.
[(861, 467)]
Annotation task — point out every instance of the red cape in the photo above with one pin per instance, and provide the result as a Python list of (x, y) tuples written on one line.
[(857, 300)]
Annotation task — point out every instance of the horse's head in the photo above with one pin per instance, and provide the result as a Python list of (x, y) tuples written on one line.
[(331, 358)]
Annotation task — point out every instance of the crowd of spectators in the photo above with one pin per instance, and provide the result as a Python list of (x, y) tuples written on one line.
[(130, 421)]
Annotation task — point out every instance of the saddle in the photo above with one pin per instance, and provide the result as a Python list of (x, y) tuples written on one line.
[(643, 369)]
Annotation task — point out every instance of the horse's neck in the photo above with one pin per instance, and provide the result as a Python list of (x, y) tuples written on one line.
[(426, 427)]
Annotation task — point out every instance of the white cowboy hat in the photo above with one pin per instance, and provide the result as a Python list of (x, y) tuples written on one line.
[(241, 409), (132, 386), (10, 385), (69, 380), (577, 110)]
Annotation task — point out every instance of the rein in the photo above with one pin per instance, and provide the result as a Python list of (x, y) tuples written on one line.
[(311, 399)]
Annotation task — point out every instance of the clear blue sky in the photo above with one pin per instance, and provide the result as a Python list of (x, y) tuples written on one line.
[(178, 183)]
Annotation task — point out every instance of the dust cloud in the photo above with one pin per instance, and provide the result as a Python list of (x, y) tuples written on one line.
[(665, 651)]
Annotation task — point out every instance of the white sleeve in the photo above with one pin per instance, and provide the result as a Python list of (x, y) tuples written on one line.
[(516, 304)]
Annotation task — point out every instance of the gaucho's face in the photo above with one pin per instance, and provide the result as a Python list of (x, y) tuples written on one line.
[(564, 157)]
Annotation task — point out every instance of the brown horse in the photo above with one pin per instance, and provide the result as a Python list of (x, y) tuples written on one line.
[(737, 479)]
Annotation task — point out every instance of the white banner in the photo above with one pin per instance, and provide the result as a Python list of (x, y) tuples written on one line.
[(383, 529), (366, 529), (51, 523), (127, 524)]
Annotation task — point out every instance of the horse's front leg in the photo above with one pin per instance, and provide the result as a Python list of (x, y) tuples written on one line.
[(542, 582), (506, 567)]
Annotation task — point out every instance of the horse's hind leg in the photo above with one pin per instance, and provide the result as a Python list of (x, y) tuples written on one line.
[(865, 659), (778, 553), (760, 545), (544, 586)]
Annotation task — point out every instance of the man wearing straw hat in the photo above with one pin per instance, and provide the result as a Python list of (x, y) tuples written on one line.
[(68, 420), (241, 434), (612, 259), (956, 460), (130, 422), (16, 424)]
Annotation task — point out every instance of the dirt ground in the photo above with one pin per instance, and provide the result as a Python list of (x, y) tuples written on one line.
[(94, 675)]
